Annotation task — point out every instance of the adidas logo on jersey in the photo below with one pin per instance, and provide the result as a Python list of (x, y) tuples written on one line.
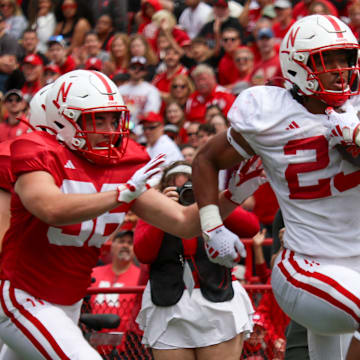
[(293, 125), (69, 165)]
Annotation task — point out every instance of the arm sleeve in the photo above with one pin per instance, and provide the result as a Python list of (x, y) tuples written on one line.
[(147, 242), (242, 223)]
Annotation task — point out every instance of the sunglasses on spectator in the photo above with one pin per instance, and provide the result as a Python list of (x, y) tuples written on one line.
[(192, 133), (151, 127), (232, 39), (13, 99), (5, 6), (68, 6), (178, 86)]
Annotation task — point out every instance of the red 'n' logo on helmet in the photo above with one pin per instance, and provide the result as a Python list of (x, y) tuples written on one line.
[(63, 92), (292, 37)]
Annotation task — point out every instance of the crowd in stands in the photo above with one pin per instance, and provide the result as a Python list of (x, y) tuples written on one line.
[(179, 65)]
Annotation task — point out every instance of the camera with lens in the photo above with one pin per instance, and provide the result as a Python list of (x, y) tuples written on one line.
[(186, 194)]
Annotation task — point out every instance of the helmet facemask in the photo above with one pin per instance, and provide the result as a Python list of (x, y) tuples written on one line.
[(112, 149), (317, 66)]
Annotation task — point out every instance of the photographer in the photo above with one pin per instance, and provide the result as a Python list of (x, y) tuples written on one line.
[(190, 307)]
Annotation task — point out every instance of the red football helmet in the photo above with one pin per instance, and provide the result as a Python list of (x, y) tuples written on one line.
[(71, 98), (309, 38)]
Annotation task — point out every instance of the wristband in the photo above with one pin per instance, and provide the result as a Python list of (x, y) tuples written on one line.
[(210, 217)]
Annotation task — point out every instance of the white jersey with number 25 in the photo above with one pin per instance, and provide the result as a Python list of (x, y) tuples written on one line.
[(317, 190)]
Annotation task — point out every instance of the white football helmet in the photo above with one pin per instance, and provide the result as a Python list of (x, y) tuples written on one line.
[(81, 92), (37, 115), (312, 36)]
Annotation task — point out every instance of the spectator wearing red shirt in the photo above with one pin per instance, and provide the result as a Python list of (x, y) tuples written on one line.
[(283, 20), (207, 92), (57, 54), (120, 272), (268, 67), (301, 9), (33, 71), (227, 70), (14, 105), (173, 68)]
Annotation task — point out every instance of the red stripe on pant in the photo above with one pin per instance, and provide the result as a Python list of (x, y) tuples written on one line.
[(318, 292), (36, 322), (22, 328)]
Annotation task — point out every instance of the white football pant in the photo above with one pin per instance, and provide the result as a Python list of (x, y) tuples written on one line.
[(324, 296), (35, 329)]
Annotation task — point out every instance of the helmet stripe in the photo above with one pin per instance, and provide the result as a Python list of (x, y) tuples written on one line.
[(336, 26), (106, 84)]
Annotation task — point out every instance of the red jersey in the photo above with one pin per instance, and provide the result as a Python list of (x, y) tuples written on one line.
[(268, 69), (54, 263), (120, 304), (68, 65), (6, 177), (196, 104), (280, 31), (162, 81), (228, 72), (8, 132)]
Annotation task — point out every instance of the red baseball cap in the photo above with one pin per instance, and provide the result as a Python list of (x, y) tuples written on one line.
[(33, 59), (220, 3), (93, 63), (53, 68), (151, 117)]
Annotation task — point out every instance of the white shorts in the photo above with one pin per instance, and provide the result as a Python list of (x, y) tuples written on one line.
[(323, 295), (36, 329), (194, 321)]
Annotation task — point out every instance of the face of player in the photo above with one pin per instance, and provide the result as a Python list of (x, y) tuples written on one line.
[(333, 60), (102, 122), (122, 248)]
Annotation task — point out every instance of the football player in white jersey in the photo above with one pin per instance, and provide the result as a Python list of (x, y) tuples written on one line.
[(295, 132), (72, 188)]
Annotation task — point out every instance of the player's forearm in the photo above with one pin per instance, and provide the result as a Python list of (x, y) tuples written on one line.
[(66, 209)]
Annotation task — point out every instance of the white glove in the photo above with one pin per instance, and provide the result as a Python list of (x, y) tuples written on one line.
[(344, 126), (246, 180), (223, 247), (142, 180)]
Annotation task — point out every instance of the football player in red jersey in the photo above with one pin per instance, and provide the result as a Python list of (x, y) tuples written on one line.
[(71, 191)]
